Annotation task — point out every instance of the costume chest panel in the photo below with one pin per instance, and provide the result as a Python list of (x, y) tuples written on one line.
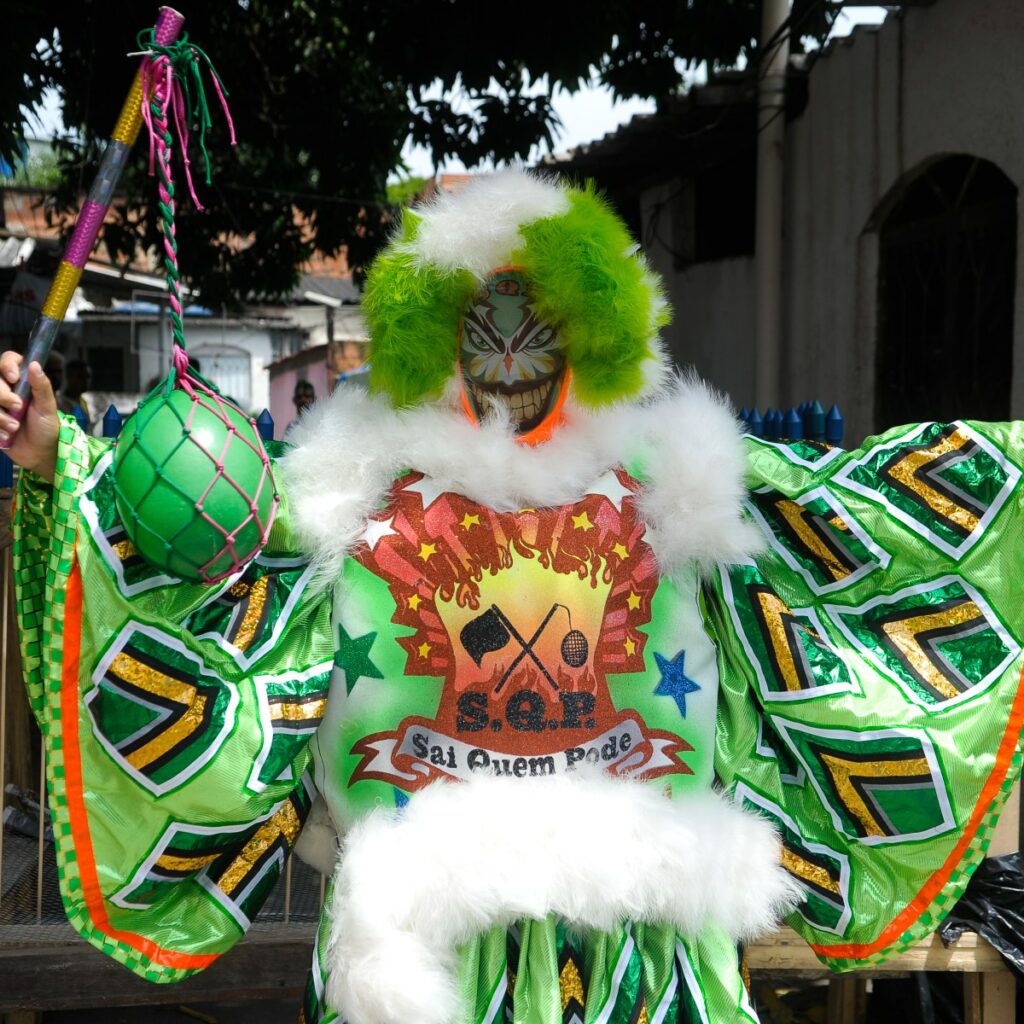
[(522, 643)]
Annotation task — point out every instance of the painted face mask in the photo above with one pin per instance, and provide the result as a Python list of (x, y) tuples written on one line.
[(507, 353)]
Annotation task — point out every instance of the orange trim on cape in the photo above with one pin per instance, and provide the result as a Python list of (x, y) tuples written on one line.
[(913, 910), (75, 794)]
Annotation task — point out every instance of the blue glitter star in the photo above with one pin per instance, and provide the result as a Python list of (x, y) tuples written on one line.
[(674, 683)]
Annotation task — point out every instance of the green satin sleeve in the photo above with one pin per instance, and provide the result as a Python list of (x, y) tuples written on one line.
[(871, 665), (176, 719)]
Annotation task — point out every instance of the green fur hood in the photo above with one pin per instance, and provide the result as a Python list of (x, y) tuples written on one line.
[(587, 278)]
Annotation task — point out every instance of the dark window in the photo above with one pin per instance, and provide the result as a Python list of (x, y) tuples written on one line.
[(107, 365), (946, 283), (724, 214)]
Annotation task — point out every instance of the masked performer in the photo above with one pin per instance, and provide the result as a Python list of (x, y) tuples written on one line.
[(590, 686)]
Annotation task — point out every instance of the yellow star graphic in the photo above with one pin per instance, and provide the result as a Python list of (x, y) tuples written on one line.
[(468, 521), (621, 551), (414, 601), (424, 649), (630, 646), (633, 601), (582, 522), (426, 550)]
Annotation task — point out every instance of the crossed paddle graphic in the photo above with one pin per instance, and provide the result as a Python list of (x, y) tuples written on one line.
[(492, 631)]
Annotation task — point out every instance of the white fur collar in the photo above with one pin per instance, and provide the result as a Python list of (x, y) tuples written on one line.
[(412, 886), (685, 444)]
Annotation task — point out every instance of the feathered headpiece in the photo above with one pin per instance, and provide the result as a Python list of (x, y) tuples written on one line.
[(587, 278)]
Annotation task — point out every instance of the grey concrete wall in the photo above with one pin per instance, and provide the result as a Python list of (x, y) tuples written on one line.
[(939, 81), (712, 327)]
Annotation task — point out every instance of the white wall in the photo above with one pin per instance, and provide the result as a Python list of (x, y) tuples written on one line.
[(206, 342), (349, 322)]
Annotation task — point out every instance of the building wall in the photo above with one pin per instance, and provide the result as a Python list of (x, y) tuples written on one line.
[(712, 309), (310, 365), (941, 80), (221, 350), (938, 81)]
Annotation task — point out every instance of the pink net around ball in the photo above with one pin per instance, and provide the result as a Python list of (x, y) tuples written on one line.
[(192, 480)]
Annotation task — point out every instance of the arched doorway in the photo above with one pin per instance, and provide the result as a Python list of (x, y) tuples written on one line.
[(946, 281)]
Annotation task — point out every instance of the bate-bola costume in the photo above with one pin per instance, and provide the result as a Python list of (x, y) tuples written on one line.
[(586, 711)]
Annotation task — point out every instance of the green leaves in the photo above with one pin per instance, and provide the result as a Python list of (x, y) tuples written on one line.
[(324, 95)]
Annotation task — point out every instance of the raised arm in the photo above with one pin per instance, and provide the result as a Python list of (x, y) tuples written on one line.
[(33, 442)]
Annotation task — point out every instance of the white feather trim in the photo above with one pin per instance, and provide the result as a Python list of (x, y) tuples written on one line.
[(350, 448), (317, 844), (593, 849), (477, 227)]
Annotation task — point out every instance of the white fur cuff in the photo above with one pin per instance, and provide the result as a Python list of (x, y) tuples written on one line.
[(595, 850)]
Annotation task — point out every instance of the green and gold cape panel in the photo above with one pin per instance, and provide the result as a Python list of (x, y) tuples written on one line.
[(176, 719), (870, 662)]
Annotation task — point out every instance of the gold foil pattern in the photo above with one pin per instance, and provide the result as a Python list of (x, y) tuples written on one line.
[(65, 281), (570, 984), (285, 822), (306, 711), (773, 609), (129, 121), (810, 872), (255, 604), (844, 771), (795, 516), (904, 635), (907, 472), (153, 681)]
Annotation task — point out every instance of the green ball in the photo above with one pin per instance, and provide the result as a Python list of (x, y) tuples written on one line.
[(192, 485)]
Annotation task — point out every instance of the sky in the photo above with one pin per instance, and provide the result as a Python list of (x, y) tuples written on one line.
[(586, 115)]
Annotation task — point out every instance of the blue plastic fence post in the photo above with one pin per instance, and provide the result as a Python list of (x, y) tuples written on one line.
[(834, 426), (6, 470), (744, 417), (793, 426), (112, 422), (780, 424), (80, 418), (265, 425), (755, 424), (814, 422)]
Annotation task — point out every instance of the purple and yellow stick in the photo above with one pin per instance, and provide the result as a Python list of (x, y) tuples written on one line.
[(90, 220)]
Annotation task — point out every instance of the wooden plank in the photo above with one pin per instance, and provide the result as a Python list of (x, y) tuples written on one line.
[(972, 999), (847, 1000), (1006, 836), (270, 962), (783, 949), (998, 999)]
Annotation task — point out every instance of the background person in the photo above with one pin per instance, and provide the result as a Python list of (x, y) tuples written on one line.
[(304, 396)]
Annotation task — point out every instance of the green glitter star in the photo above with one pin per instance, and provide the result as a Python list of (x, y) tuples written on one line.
[(353, 656)]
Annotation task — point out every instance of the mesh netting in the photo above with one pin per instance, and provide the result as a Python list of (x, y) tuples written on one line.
[(192, 480)]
